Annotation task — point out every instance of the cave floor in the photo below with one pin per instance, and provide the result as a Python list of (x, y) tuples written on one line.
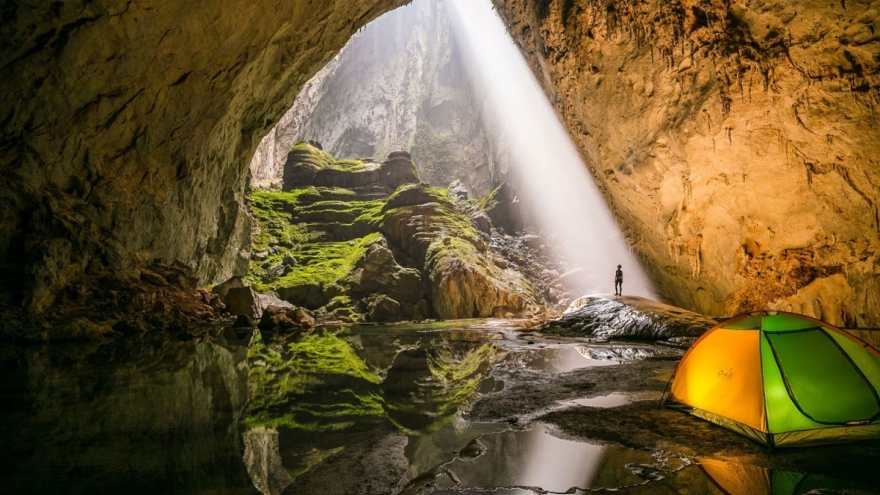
[(449, 407)]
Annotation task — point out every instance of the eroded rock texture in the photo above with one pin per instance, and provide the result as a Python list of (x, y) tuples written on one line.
[(127, 128), (735, 141)]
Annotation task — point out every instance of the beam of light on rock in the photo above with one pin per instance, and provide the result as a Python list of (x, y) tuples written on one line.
[(553, 180)]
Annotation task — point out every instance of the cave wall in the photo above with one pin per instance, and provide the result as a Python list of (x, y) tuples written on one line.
[(127, 129), (735, 141)]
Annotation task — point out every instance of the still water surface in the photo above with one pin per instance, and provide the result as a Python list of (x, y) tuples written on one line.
[(334, 411)]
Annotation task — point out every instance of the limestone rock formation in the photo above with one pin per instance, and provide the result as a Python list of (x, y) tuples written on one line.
[(285, 318), (609, 317), (373, 243), (243, 301), (735, 141), (127, 129), (398, 84)]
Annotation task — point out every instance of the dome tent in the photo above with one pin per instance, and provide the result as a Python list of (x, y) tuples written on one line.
[(782, 380)]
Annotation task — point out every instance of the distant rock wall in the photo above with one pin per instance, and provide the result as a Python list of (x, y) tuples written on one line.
[(735, 141), (127, 128), (398, 84)]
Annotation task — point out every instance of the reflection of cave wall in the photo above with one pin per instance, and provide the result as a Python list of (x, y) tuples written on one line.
[(736, 142), (127, 127), (162, 418)]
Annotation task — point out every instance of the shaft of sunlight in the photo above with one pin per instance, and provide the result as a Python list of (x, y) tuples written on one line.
[(553, 180)]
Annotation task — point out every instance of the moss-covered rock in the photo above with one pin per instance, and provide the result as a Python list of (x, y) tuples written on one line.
[(308, 165), (367, 241)]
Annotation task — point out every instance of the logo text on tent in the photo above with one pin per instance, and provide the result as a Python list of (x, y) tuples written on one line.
[(726, 374)]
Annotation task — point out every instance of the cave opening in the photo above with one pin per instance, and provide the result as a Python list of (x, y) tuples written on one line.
[(444, 82)]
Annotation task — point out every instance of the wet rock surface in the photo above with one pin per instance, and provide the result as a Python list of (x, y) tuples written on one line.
[(628, 317)]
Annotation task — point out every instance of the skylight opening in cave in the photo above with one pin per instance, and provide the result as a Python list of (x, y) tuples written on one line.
[(553, 179)]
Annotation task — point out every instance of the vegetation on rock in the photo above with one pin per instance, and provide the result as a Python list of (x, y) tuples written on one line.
[(314, 240)]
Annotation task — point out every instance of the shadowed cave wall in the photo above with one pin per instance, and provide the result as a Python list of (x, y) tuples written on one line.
[(127, 128), (734, 141)]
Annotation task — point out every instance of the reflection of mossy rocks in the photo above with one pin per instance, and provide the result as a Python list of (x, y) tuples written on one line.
[(502, 207)]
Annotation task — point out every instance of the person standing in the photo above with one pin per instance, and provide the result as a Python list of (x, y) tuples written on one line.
[(618, 281)]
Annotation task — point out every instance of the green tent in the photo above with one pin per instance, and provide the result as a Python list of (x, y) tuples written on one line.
[(782, 379)]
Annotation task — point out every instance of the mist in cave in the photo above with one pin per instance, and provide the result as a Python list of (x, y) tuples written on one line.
[(553, 178)]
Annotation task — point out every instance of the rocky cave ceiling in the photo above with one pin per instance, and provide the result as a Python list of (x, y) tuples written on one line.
[(735, 141)]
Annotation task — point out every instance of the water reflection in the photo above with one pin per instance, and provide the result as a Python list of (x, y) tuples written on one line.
[(135, 417), (554, 359), (315, 399), (519, 460), (335, 411)]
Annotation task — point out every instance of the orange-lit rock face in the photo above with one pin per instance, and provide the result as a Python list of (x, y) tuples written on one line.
[(738, 145), (127, 127)]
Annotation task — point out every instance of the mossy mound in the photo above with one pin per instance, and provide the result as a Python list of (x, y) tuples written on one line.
[(364, 241)]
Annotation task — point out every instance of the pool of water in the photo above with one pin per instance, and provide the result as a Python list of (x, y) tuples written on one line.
[(332, 411)]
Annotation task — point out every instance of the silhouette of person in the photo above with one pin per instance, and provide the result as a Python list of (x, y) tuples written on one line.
[(618, 282)]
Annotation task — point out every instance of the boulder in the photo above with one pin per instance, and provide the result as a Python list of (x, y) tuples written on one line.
[(222, 289), (303, 161), (383, 308), (277, 318), (462, 288), (275, 272), (398, 170), (457, 191), (243, 301), (607, 317), (481, 221), (267, 300), (417, 194), (381, 273)]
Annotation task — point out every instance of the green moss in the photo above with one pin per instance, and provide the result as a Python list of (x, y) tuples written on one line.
[(280, 377), (489, 201), (318, 262), (349, 165), (324, 263), (310, 155), (327, 353)]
